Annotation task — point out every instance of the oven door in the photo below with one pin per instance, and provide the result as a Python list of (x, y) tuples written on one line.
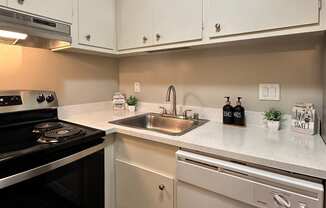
[(74, 181)]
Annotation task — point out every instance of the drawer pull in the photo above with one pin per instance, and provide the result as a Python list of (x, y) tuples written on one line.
[(161, 187), (218, 27)]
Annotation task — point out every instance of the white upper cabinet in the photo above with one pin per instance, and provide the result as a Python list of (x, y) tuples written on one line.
[(3, 2), (144, 23), (230, 17), (134, 23), (54, 9), (177, 20), (96, 23)]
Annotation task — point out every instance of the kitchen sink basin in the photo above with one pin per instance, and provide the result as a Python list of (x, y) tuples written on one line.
[(163, 124)]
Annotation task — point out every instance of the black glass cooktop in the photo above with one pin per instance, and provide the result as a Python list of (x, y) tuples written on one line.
[(35, 135)]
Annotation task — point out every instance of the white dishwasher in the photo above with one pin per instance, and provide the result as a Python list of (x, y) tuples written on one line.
[(206, 182)]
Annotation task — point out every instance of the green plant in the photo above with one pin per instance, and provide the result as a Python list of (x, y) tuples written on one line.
[(132, 101), (273, 115)]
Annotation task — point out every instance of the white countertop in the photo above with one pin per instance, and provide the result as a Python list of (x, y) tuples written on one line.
[(283, 150)]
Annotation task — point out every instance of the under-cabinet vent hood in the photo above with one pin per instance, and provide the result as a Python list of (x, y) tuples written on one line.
[(30, 31)]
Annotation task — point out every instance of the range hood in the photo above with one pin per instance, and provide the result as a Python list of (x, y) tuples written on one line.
[(30, 31)]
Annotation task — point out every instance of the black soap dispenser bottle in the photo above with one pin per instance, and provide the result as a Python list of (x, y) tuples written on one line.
[(228, 112), (239, 114)]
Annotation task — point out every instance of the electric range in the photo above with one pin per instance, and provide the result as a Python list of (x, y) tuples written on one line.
[(41, 154)]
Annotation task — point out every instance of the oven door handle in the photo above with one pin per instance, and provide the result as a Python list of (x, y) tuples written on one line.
[(23, 176)]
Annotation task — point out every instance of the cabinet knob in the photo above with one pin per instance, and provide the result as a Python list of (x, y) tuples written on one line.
[(158, 37), (20, 1), (218, 27), (161, 187), (145, 39), (88, 37)]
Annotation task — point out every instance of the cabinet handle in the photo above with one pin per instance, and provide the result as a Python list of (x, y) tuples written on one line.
[(218, 27), (20, 1), (161, 187), (145, 39), (158, 37), (88, 37)]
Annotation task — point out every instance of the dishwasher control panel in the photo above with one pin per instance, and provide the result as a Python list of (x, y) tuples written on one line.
[(272, 197)]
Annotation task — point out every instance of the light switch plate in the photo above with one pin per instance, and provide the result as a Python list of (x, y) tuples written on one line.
[(137, 87), (269, 91)]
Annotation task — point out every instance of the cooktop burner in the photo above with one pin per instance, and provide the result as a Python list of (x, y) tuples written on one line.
[(55, 132), (48, 126)]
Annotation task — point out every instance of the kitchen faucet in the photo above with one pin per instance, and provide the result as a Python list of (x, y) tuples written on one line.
[(174, 101)]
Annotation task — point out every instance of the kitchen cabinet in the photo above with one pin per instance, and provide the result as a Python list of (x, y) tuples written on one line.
[(159, 22), (141, 188), (96, 23), (134, 23), (232, 17), (58, 9), (142, 181), (3, 2), (177, 20)]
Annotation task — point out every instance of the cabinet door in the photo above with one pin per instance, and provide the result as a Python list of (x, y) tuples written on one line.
[(135, 19), (140, 188), (58, 9), (177, 20), (230, 17), (97, 23), (3, 2)]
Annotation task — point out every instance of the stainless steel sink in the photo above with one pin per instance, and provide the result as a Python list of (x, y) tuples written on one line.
[(162, 124)]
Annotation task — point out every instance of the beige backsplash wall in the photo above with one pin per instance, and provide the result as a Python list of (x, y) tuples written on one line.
[(77, 78), (203, 77)]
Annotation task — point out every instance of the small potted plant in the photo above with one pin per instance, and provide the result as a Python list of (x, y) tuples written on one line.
[(132, 102), (273, 118)]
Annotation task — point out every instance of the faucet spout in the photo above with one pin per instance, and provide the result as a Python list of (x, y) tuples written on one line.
[(174, 99)]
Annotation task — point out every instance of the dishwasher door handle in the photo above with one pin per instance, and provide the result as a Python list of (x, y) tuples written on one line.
[(250, 171)]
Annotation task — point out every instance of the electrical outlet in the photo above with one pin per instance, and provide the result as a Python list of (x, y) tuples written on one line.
[(269, 92), (137, 87)]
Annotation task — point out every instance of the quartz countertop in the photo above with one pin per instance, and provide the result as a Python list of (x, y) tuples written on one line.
[(285, 150)]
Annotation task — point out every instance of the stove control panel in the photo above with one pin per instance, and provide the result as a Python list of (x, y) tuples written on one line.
[(15, 100), (11, 100)]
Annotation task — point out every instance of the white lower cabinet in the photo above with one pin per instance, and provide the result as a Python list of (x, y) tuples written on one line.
[(144, 173), (232, 17), (141, 188)]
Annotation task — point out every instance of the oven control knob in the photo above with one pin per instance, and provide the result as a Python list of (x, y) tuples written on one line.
[(50, 98), (40, 98)]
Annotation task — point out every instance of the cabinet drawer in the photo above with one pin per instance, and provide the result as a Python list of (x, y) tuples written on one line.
[(58, 9), (141, 188), (146, 154)]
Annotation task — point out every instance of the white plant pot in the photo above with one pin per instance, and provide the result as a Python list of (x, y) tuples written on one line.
[(274, 125), (132, 108)]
